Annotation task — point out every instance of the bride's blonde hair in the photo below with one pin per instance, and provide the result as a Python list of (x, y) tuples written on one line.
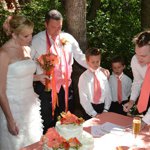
[(16, 24)]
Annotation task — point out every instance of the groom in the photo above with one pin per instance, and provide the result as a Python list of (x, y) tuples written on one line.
[(50, 40)]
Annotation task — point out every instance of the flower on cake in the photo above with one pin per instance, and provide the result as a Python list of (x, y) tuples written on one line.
[(69, 118), (74, 143), (53, 140)]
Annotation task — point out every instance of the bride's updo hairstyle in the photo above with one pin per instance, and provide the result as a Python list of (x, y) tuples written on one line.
[(17, 24)]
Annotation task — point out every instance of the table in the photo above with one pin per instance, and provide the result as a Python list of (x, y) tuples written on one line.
[(118, 142), (111, 141)]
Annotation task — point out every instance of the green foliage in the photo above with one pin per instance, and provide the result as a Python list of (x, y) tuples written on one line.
[(3, 15), (113, 29), (35, 11)]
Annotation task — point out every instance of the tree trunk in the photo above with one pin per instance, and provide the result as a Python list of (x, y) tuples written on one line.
[(145, 13), (94, 6), (76, 20), (76, 25)]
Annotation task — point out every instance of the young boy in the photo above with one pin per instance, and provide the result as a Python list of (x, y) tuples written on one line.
[(94, 90), (120, 85)]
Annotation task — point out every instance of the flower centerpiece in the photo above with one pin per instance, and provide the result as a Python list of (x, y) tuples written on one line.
[(47, 63), (69, 118), (53, 140)]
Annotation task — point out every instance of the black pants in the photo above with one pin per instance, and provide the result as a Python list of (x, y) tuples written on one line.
[(118, 108), (97, 107), (46, 104)]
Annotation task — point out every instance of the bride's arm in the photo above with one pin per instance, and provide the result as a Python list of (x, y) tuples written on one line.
[(41, 78), (4, 61)]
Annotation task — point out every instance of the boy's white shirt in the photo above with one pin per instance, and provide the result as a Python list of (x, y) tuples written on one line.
[(86, 90), (126, 86)]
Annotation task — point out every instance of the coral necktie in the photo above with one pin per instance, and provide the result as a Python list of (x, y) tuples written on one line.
[(119, 90), (97, 90), (145, 92)]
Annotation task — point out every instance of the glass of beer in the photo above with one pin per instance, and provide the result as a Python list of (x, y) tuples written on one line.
[(136, 126)]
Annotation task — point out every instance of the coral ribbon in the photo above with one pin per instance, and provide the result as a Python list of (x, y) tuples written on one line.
[(53, 80), (66, 82), (54, 93)]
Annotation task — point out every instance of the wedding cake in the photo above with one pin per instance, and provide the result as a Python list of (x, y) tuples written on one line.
[(69, 126), (68, 135)]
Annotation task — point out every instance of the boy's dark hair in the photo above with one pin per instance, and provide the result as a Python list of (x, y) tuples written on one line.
[(92, 52), (142, 39), (53, 14), (118, 59)]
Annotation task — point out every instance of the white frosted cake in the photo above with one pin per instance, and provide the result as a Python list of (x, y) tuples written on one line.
[(68, 134), (69, 130)]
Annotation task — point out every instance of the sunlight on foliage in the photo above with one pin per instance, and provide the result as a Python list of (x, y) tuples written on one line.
[(114, 27)]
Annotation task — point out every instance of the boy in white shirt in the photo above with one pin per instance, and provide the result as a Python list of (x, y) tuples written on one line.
[(94, 90), (120, 85)]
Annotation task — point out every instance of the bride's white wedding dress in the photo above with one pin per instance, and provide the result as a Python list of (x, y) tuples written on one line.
[(24, 105)]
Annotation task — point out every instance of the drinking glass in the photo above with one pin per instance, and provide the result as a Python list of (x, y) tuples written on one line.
[(136, 126)]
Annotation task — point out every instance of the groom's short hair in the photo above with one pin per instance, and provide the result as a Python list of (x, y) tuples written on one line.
[(53, 14), (142, 39)]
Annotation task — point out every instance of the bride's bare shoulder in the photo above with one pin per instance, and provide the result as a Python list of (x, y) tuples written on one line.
[(7, 47), (4, 51)]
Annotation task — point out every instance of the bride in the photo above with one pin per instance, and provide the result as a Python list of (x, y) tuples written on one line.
[(20, 119)]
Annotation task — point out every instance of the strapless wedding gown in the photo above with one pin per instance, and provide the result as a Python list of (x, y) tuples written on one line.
[(25, 107)]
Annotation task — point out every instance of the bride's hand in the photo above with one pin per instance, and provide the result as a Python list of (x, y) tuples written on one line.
[(12, 127), (41, 78)]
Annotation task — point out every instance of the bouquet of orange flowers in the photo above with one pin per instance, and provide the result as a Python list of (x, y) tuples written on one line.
[(47, 63), (69, 118)]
